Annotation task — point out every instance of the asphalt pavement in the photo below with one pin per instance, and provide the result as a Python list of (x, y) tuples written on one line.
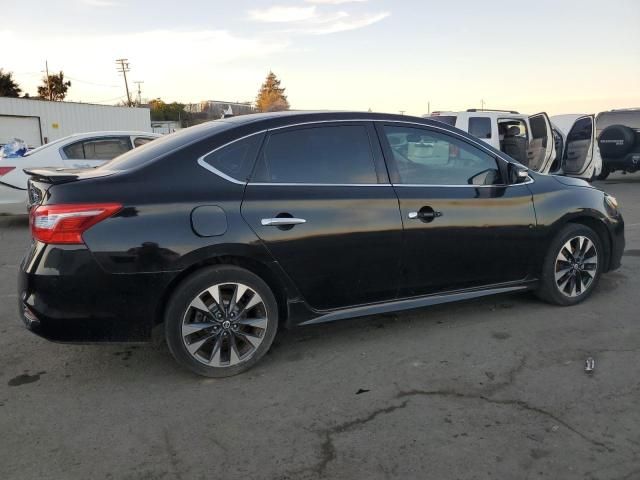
[(488, 389)]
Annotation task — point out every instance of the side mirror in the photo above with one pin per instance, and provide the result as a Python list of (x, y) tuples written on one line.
[(518, 173)]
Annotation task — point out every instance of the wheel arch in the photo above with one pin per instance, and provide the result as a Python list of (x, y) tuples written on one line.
[(601, 230), (262, 270)]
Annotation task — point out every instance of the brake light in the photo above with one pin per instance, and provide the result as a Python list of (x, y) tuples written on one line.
[(65, 224), (5, 170)]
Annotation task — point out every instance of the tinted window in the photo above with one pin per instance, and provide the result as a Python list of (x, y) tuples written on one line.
[(448, 119), (106, 148), (340, 154), (74, 151), (139, 141), (538, 127), (236, 159), (162, 146), (98, 148), (430, 158), (480, 127), (581, 130)]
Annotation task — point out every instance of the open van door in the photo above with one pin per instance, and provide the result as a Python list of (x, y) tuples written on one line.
[(541, 151), (580, 156)]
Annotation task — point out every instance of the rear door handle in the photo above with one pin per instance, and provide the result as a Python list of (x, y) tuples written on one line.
[(281, 221)]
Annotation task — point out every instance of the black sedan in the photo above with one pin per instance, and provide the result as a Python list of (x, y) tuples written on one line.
[(227, 231)]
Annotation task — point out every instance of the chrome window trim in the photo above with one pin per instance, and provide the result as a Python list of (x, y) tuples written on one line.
[(201, 160), (217, 172)]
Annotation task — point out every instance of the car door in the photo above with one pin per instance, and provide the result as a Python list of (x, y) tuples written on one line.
[(580, 151), (541, 151), (320, 200), (93, 152), (464, 227)]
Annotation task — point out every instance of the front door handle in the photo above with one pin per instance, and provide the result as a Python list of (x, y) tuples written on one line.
[(425, 214), (281, 221)]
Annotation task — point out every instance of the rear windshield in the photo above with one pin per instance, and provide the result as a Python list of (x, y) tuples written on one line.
[(629, 119), (162, 146), (448, 119)]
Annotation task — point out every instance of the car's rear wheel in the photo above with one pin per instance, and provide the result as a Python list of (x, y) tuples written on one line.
[(572, 266), (221, 321), (604, 174)]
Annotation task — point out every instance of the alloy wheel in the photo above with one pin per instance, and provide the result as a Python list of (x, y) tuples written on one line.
[(224, 325), (576, 266)]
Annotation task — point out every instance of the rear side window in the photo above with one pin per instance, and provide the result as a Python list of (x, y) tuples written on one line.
[(139, 141), (74, 150), (340, 154), (538, 127), (98, 148), (448, 119), (236, 159), (480, 127)]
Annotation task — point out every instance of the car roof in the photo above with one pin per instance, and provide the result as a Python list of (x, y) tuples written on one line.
[(109, 133), (478, 113), (265, 121)]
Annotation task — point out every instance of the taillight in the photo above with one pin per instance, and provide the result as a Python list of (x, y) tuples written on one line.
[(5, 170), (66, 223)]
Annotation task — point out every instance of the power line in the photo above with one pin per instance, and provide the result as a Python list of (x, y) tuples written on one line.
[(92, 83), (123, 67)]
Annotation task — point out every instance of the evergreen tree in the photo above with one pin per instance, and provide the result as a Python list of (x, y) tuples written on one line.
[(8, 86), (271, 97)]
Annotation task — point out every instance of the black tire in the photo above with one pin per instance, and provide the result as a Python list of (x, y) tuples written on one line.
[(616, 141), (604, 174), (179, 308), (549, 290)]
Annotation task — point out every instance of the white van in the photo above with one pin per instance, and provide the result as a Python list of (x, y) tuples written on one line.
[(526, 138)]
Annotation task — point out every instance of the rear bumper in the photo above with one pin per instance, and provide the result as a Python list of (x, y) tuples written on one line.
[(64, 296)]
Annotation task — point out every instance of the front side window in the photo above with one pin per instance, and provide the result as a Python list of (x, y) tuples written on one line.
[(332, 154), (431, 158), (480, 127), (236, 159)]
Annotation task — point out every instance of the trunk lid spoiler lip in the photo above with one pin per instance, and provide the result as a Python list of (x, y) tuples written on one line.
[(63, 175)]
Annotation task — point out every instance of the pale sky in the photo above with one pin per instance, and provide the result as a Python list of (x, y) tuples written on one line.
[(559, 56)]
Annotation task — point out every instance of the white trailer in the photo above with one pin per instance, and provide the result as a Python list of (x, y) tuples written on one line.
[(40, 121)]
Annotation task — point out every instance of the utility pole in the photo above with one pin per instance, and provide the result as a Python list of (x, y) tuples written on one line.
[(123, 67), (402, 112), (482, 104), (46, 68), (429, 107), (138, 82)]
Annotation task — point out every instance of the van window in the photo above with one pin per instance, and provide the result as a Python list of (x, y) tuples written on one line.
[(333, 154), (480, 127)]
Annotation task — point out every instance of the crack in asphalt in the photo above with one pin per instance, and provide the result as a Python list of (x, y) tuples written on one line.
[(328, 451)]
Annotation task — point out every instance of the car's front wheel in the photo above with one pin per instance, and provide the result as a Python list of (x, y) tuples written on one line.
[(572, 266), (221, 321)]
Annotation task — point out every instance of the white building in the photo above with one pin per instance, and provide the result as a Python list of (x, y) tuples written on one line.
[(39, 121)]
